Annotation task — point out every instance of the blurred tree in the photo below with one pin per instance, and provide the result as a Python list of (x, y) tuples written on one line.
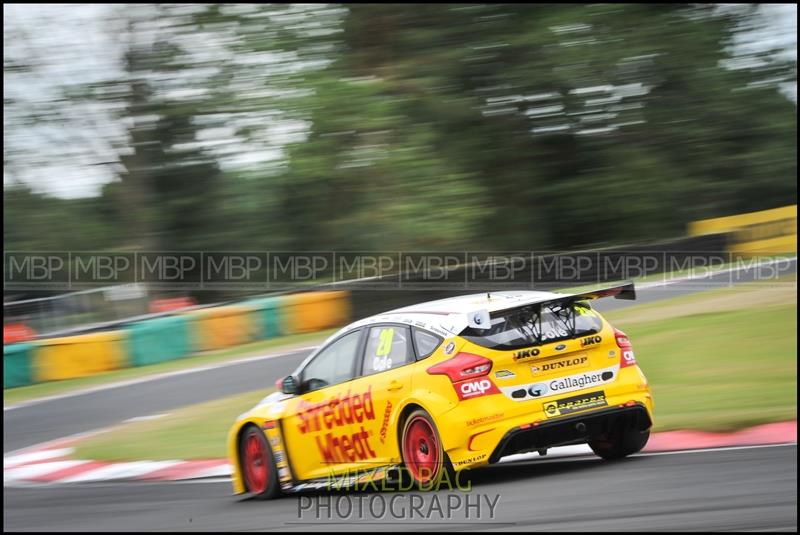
[(400, 127)]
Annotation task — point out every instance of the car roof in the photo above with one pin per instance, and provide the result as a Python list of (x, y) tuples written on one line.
[(448, 317)]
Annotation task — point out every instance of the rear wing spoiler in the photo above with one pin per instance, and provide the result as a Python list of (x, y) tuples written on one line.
[(482, 319)]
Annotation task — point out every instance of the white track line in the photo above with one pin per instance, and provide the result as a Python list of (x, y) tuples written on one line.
[(155, 377), (120, 471), (30, 471), (12, 461)]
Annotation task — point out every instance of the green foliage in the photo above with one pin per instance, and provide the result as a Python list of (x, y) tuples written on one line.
[(427, 127)]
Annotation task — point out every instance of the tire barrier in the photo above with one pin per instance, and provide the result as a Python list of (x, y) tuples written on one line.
[(309, 312), (17, 365), (217, 328), (172, 337), (78, 356), (158, 340)]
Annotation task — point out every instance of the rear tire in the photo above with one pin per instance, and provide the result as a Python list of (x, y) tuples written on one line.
[(621, 442), (424, 459), (259, 473)]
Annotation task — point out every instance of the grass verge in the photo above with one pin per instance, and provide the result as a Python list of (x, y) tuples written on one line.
[(194, 432), (25, 393)]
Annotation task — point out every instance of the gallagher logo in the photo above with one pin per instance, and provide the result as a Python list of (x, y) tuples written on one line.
[(474, 388)]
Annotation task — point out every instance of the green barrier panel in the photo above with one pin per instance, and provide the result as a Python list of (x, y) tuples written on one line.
[(158, 340), (17, 365), (267, 313)]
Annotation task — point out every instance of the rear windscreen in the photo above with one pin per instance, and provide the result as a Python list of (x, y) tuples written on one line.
[(528, 326)]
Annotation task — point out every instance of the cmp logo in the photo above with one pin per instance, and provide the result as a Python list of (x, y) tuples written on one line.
[(475, 388), (591, 340)]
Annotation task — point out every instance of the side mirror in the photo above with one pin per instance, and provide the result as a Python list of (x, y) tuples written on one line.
[(288, 385)]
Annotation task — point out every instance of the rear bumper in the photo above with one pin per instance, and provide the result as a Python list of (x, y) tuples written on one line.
[(575, 429)]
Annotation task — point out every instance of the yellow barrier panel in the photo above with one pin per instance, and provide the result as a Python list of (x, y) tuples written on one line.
[(763, 232), (78, 356), (315, 311), (216, 328)]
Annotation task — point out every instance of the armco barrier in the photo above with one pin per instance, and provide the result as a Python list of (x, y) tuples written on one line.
[(764, 232), (314, 311), (216, 328), (266, 313), (78, 356), (158, 340), (17, 365)]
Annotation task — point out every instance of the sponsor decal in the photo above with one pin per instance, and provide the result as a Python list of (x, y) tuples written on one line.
[(470, 460), (485, 419), (538, 390), (561, 385), (582, 402), (385, 425), (576, 382), (334, 413), (591, 340), (628, 358), (275, 441), (526, 353), (504, 374), (573, 362), (560, 347), (474, 388), (283, 473), (449, 348), (279, 457)]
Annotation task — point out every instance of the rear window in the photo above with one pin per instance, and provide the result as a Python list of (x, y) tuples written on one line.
[(525, 327)]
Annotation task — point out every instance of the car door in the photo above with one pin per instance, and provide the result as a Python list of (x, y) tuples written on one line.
[(318, 425), (385, 378)]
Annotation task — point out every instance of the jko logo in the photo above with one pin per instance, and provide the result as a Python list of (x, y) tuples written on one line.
[(526, 353), (475, 388), (591, 340)]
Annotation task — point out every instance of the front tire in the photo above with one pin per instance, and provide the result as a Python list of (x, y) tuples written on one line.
[(619, 443), (259, 472), (424, 458)]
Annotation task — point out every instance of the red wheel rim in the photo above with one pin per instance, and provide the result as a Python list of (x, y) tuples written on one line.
[(421, 448), (255, 463)]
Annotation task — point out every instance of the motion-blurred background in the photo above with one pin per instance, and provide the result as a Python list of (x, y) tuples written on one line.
[(392, 127)]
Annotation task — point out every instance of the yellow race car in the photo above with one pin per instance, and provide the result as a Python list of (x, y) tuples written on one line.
[(426, 391)]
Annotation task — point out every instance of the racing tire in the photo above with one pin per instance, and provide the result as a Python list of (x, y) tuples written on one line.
[(425, 463), (259, 473), (619, 443)]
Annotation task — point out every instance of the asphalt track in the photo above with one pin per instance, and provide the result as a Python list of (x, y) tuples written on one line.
[(719, 490), (729, 489)]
